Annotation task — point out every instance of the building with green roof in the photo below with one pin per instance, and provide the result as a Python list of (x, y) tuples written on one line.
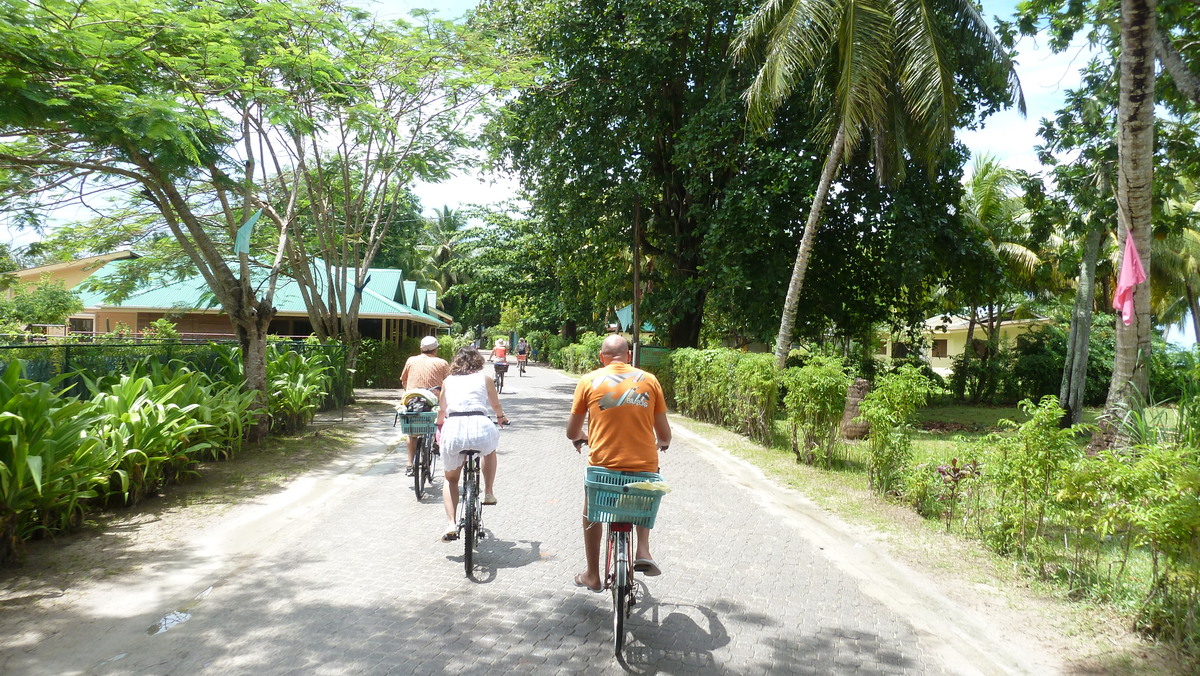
[(391, 308)]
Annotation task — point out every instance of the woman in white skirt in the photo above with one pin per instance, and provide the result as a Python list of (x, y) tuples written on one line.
[(462, 416)]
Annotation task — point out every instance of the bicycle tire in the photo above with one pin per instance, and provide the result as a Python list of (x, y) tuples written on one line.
[(470, 519), (620, 591), (431, 456), (419, 468), (499, 382)]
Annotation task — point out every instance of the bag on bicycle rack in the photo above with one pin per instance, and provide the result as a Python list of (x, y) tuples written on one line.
[(417, 415), (500, 367)]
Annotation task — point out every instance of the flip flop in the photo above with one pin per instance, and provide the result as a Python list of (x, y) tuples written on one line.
[(450, 535), (579, 583), (489, 499), (646, 567)]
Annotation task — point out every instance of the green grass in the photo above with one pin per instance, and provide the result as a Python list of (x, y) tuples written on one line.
[(1087, 610)]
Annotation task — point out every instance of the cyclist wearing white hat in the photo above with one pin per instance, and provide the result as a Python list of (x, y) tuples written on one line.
[(425, 371)]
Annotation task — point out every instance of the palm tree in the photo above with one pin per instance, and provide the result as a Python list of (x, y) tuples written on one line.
[(1175, 262), (444, 242), (886, 70), (991, 204), (1135, 180)]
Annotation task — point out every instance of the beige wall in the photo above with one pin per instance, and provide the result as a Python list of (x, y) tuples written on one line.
[(956, 341)]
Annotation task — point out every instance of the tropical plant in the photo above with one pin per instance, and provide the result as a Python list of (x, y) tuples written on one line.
[(298, 385), (49, 460), (858, 52), (814, 399), (888, 408)]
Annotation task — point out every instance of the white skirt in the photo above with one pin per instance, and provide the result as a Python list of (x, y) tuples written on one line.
[(467, 433)]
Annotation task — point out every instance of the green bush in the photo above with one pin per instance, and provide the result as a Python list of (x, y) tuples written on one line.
[(380, 363), (297, 385), (49, 460), (1026, 470), (728, 388), (814, 400), (580, 357), (888, 408)]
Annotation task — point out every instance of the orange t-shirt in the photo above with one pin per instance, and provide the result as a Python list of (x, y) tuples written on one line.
[(621, 403), (500, 353)]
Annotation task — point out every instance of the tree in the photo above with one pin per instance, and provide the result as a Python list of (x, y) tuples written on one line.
[(993, 206), (409, 94), (1135, 187), (47, 302), (169, 103), (1133, 35), (889, 71), (638, 111)]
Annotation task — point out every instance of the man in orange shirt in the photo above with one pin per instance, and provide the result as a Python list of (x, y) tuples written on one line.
[(425, 371), (627, 426)]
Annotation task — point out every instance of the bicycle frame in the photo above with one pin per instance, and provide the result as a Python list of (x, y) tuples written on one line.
[(470, 510), (618, 577)]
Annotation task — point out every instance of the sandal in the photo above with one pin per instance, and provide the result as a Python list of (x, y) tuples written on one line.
[(408, 471), (489, 499), (579, 583), (451, 534)]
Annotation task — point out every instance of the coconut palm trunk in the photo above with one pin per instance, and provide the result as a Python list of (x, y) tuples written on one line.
[(791, 302), (1074, 380), (1135, 176)]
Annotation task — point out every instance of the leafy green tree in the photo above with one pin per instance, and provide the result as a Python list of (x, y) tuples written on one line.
[(47, 302), (889, 72), (637, 117), (111, 96), (1128, 33), (413, 90)]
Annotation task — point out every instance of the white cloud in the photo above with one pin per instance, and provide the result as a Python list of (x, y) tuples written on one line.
[(1045, 78)]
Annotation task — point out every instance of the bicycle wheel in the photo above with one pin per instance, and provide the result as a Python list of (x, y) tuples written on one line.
[(499, 382), (419, 467), (431, 456), (470, 517), (620, 590)]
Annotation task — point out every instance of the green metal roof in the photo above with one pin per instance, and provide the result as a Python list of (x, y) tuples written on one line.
[(380, 298)]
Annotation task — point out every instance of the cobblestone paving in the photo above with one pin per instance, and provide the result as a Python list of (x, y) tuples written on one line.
[(360, 583)]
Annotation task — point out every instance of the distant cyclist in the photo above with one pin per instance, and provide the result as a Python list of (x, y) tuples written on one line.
[(522, 348), (425, 371), (500, 351), (626, 427)]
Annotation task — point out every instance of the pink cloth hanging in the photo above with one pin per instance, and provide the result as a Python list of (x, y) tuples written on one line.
[(1132, 274)]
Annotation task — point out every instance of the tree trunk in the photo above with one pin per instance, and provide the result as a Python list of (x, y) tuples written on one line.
[(791, 302), (960, 380), (1135, 178), (1194, 308), (685, 332), (1074, 379), (252, 338)]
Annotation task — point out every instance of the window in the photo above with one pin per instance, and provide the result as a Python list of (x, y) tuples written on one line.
[(940, 349), (79, 325)]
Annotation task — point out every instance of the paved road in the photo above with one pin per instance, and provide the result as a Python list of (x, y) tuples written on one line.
[(345, 574)]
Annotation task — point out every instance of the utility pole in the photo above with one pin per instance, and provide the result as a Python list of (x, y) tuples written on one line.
[(637, 286)]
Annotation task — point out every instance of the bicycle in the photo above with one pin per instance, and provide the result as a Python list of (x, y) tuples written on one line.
[(470, 510), (613, 502), (521, 360), (499, 369), (423, 425)]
